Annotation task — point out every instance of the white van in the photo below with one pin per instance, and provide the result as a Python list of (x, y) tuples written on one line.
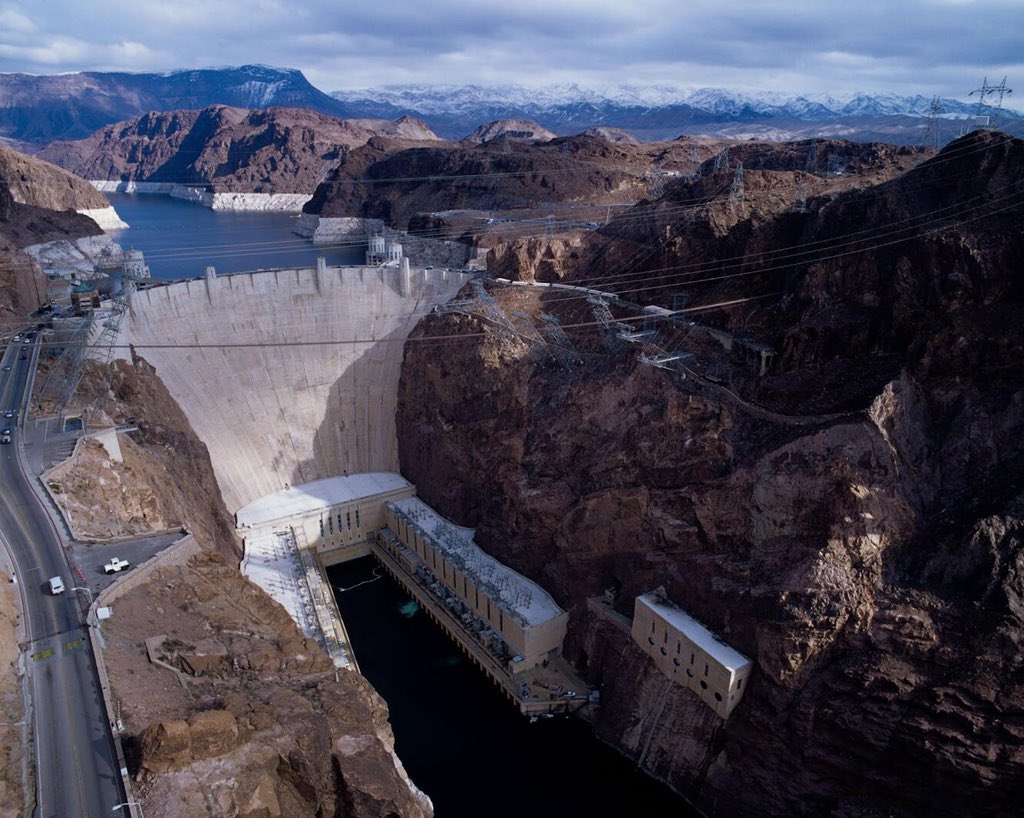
[(56, 585)]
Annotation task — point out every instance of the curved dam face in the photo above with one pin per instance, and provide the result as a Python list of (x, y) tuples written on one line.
[(287, 376)]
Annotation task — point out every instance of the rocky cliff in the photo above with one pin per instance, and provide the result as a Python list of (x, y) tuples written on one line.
[(693, 216), (265, 150), (38, 203), (41, 184), (426, 188), (520, 130), (852, 521), (244, 717)]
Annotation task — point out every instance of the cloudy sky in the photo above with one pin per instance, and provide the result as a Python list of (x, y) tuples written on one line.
[(793, 46)]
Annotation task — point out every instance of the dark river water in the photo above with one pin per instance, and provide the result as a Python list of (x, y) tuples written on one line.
[(180, 239), (461, 741)]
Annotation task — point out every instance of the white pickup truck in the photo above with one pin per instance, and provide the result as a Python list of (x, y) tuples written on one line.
[(115, 565)]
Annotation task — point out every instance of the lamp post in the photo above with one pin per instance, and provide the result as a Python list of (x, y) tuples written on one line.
[(83, 588), (129, 804), (89, 592)]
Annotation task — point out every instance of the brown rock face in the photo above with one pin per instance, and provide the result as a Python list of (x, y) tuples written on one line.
[(269, 150), (408, 185), (34, 182), (284, 735), (37, 204), (165, 462), (214, 733), (860, 543), (166, 745)]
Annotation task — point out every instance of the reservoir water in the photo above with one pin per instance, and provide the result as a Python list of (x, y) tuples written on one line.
[(180, 239), (464, 743)]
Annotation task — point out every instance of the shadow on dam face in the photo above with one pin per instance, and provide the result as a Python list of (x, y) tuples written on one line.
[(358, 425), (287, 376)]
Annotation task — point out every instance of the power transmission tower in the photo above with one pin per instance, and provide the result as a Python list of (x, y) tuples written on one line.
[(722, 160), (505, 146), (103, 348), (931, 134), (837, 165), (657, 188), (549, 224), (992, 119), (736, 191), (811, 164)]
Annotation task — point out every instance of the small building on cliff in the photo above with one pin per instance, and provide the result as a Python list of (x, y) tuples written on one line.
[(688, 653)]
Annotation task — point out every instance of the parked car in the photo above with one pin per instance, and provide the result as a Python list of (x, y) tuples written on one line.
[(116, 564)]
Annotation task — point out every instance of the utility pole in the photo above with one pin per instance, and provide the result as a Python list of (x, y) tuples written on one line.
[(983, 120)]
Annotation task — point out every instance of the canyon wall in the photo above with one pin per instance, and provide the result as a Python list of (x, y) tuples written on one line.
[(851, 521)]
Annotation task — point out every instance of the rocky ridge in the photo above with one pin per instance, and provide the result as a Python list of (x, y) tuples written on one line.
[(520, 130), (851, 522), (450, 189), (38, 203), (70, 106), (225, 149)]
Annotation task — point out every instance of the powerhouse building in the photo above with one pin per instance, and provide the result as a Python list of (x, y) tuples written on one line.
[(688, 653), (333, 516), (519, 611)]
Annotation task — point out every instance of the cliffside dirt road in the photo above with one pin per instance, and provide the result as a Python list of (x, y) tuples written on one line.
[(74, 753)]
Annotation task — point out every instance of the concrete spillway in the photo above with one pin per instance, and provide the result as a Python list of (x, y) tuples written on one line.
[(287, 376)]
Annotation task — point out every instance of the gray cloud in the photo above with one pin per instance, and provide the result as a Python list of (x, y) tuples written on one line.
[(910, 46)]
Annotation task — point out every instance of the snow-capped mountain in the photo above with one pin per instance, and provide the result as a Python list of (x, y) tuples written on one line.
[(69, 106), (652, 111)]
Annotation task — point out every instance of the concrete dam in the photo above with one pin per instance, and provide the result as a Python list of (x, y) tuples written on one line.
[(287, 376), (290, 377)]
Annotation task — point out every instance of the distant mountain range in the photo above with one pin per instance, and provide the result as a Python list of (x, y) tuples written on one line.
[(658, 112), (70, 106)]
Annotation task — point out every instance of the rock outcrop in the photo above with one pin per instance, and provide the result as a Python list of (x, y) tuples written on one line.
[(221, 149), (38, 203), (851, 521), (520, 130), (270, 730), (41, 184), (424, 187)]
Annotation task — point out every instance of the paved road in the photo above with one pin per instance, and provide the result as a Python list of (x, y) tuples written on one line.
[(75, 758)]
